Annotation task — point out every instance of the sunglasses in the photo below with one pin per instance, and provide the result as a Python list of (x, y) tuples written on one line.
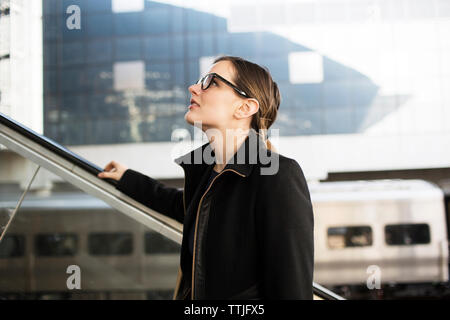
[(208, 79)]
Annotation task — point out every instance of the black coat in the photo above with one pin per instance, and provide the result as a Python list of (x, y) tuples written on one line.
[(254, 232)]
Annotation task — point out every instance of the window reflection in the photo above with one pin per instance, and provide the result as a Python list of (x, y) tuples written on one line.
[(12, 246), (407, 234), (99, 25), (156, 48), (99, 51), (110, 243), (127, 5), (73, 53), (128, 48), (56, 244), (156, 20), (156, 243), (343, 237)]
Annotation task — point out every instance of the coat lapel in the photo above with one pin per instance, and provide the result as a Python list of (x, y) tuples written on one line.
[(197, 169)]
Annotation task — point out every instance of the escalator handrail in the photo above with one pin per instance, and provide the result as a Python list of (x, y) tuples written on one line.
[(53, 146)]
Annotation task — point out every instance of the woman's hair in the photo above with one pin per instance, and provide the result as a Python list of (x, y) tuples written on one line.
[(257, 82)]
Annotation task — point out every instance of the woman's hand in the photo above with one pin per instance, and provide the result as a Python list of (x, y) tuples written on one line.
[(113, 170)]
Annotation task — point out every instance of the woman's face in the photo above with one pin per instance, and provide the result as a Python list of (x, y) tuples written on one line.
[(215, 107)]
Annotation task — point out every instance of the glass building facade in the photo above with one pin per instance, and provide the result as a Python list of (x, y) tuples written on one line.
[(342, 66)]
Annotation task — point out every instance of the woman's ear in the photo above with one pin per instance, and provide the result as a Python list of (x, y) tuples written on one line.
[(249, 107)]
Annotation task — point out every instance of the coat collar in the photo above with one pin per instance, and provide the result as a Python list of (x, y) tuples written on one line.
[(200, 159)]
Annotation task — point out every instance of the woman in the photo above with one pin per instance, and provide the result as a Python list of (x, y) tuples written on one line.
[(248, 233)]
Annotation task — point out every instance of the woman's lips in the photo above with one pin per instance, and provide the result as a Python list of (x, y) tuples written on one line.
[(194, 105)]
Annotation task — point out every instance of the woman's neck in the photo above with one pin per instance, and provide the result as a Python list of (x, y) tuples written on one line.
[(225, 144)]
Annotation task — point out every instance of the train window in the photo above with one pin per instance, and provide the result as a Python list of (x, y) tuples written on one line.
[(354, 236), (156, 243), (12, 246), (407, 234), (56, 244), (110, 244)]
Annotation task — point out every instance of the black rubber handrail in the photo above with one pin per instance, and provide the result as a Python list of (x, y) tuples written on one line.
[(58, 149)]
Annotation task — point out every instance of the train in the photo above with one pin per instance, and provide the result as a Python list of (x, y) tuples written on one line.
[(396, 230), (118, 258), (375, 239)]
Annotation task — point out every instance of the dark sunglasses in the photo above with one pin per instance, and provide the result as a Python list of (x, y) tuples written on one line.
[(208, 79)]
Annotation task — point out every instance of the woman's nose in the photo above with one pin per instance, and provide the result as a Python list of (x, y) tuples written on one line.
[(195, 89)]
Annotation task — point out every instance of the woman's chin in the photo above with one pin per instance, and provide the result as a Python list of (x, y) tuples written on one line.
[(190, 118)]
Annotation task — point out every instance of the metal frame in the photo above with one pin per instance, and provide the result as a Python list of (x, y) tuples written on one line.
[(19, 203)]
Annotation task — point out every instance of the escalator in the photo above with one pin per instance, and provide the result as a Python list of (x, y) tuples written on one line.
[(99, 197)]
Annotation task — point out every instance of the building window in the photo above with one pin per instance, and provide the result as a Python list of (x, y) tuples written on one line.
[(156, 243), (305, 67), (205, 64), (344, 237), (407, 234), (12, 246), (110, 244), (129, 75), (56, 244), (127, 5)]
